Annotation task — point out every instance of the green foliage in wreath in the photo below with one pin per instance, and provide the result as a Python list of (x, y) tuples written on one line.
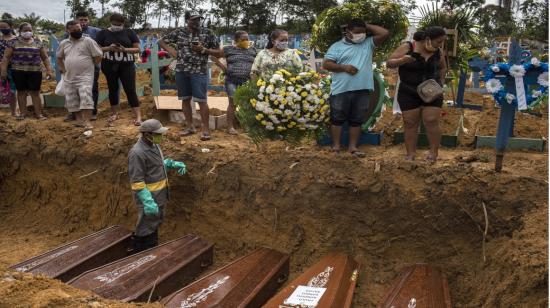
[(385, 13)]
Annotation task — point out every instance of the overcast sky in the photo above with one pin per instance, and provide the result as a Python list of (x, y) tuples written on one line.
[(54, 9)]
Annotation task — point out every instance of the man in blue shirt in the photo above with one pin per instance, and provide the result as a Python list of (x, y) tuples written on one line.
[(83, 19), (350, 61)]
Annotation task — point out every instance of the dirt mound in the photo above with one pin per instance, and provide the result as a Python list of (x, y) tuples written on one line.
[(24, 290), (57, 186)]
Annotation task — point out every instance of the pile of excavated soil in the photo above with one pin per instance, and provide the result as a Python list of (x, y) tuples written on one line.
[(525, 125), (305, 201)]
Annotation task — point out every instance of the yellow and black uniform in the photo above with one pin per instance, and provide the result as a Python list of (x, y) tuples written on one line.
[(147, 171)]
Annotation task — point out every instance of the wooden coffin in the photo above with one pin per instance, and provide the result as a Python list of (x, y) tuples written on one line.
[(73, 259), (247, 282), (150, 274), (419, 285), (328, 284)]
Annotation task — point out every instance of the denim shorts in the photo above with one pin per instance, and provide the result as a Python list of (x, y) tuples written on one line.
[(231, 87), (192, 86), (349, 107)]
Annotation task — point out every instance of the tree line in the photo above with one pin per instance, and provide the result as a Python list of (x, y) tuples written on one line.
[(524, 19)]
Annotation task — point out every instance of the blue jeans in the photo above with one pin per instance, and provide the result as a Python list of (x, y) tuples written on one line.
[(192, 86)]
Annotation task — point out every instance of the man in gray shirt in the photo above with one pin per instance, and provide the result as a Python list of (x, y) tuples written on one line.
[(76, 59), (83, 19)]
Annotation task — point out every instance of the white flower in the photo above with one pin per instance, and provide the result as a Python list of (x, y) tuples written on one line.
[(302, 74), (543, 79), (326, 96), (275, 78), (495, 68), (535, 62), (288, 112), (517, 71), (308, 86), (269, 89), (262, 89), (270, 127), (536, 93), (302, 120), (261, 97), (290, 88), (510, 98), (493, 85)]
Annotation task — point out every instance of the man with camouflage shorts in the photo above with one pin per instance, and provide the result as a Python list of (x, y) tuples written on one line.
[(76, 57)]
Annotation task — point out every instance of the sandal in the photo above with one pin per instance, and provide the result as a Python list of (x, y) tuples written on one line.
[(113, 118), (232, 131), (205, 136), (20, 117), (41, 118), (137, 123), (358, 154), (187, 132), (430, 159)]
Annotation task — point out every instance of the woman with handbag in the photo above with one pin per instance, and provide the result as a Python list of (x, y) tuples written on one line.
[(422, 72)]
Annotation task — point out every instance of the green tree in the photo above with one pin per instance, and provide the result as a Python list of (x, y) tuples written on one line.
[(31, 18), (134, 10), (452, 5), (51, 26), (103, 3), (302, 13), (534, 21), (6, 16), (80, 5), (495, 21)]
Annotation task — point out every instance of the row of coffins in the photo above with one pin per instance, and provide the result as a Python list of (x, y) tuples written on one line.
[(99, 263)]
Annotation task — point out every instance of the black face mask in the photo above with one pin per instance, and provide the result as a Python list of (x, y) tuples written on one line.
[(6, 31), (76, 35)]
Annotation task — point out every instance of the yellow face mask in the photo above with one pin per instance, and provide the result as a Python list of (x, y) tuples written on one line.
[(243, 44)]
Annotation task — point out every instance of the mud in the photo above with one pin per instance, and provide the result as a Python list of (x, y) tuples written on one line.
[(303, 200)]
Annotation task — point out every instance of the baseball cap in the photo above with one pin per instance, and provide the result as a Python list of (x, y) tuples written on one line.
[(152, 126), (194, 15)]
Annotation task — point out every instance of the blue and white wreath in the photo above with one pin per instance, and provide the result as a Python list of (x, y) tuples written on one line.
[(523, 99)]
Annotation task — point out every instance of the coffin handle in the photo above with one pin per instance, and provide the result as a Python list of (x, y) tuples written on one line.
[(206, 263)]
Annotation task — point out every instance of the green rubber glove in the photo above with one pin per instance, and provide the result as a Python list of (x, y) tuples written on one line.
[(172, 164), (150, 207)]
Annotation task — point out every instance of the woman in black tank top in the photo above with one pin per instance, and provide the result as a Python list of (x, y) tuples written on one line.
[(419, 61)]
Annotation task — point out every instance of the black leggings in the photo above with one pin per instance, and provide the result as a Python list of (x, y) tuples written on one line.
[(126, 73)]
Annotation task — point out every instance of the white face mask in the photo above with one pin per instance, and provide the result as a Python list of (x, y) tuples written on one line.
[(358, 38), (26, 35), (116, 28)]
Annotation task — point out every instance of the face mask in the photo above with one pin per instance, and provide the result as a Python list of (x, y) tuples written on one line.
[(117, 28), (429, 46), (243, 44), (358, 38), (157, 139), (26, 35), (281, 45), (6, 31), (76, 35)]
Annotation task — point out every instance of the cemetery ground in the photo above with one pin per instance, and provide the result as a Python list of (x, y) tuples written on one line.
[(57, 186)]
